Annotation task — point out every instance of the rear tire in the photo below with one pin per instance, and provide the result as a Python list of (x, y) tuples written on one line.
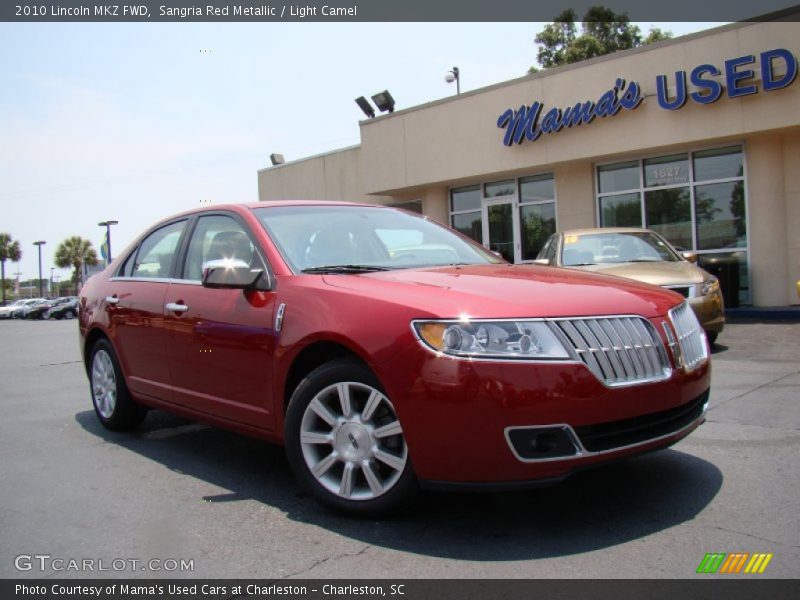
[(345, 444), (70, 314), (113, 404)]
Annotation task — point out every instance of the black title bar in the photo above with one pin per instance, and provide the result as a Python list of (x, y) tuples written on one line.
[(383, 10)]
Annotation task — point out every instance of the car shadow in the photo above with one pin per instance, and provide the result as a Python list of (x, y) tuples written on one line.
[(594, 509), (718, 348)]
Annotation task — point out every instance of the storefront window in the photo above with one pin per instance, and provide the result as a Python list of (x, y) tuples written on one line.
[(468, 198), (537, 213), (719, 210), (537, 189), (669, 212), (538, 223), (619, 177), (621, 210), (696, 200), (465, 211), (500, 188), (666, 170), (720, 163), (469, 224), (514, 216)]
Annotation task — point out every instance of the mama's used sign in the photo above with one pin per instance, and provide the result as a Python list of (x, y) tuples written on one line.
[(527, 122)]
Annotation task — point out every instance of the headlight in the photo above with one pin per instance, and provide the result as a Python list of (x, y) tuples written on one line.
[(515, 340), (710, 286)]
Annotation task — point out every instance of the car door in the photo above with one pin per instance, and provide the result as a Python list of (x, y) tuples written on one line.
[(135, 308), (221, 341)]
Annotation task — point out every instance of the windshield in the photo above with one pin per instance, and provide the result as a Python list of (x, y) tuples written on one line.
[(363, 238), (603, 248)]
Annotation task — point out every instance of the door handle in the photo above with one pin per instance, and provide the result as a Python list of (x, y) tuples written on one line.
[(112, 299), (178, 308)]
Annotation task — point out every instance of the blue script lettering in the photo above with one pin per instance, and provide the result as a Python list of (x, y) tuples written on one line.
[(523, 123)]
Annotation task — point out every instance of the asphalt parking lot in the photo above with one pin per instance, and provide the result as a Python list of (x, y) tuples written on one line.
[(179, 490)]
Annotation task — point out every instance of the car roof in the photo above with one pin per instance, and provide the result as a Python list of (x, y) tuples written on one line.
[(271, 204), (590, 230)]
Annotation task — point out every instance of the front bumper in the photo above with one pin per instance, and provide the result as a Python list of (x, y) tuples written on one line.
[(457, 415), (710, 311)]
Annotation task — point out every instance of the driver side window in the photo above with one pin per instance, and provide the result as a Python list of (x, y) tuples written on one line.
[(218, 237)]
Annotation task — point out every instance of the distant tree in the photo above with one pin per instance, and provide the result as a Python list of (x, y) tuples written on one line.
[(603, 32), (76, 252), (9, 250)]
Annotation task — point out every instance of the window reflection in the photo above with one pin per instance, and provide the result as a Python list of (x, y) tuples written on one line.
[(623, 210), (669, 213)]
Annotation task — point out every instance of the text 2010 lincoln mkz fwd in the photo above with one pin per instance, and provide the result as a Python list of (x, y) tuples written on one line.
[(387, 352)]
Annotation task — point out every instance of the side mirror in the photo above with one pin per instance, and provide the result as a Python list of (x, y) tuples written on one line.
[(541, 261), (233, 273), (690, 256)]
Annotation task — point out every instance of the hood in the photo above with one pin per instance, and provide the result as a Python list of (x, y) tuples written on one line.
[(656, 273), (509, 291)]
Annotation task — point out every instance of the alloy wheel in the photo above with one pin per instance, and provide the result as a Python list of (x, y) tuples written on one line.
[(352, 441), (104, 384)]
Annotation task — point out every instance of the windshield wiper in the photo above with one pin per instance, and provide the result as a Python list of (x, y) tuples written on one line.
[(580, 265), (345, 269)]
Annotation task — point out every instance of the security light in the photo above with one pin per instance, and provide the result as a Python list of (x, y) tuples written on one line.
[(365, 106), (384, 101), (276, 159)]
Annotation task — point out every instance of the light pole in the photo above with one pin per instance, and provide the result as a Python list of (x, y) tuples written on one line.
[(107, 225), (51, 279), (40, 243), (454, 75)]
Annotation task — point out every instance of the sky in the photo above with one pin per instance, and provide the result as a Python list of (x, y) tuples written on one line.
[(137, 121)]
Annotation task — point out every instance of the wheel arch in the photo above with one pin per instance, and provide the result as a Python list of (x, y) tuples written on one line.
[(313, 355), (92, 337)]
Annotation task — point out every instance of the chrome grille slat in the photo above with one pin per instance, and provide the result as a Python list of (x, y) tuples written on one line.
[(619, 347), (597, 348), (630, 350), (617, 350), (580, 346), (691, 339)]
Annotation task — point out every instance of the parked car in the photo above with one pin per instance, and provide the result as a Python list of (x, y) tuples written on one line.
[(7, 310), (643, 255), (41, 310), (68, 309), (23, 307), (384, 372)]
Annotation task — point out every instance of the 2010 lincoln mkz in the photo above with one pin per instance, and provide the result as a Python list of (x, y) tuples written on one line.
[(387, 352)]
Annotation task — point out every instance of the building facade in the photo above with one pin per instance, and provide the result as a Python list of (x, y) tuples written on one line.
[(697, 138)]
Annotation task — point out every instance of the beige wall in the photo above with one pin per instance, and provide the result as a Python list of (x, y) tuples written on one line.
[(331, 176), (791, 169)]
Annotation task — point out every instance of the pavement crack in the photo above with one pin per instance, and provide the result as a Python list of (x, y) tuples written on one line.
[(755, 537), (69, 362), (755, 389), (322, 561)]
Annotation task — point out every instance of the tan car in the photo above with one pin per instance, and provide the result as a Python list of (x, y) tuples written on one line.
[(643, 255)]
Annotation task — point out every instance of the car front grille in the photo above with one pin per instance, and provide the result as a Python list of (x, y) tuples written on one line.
[(691, 342), (618, 350)]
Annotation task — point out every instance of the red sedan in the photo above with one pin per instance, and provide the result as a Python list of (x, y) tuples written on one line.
[(387, 352)]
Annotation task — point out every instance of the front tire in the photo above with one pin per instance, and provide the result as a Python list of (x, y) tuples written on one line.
[(113, 403), (345, 443)]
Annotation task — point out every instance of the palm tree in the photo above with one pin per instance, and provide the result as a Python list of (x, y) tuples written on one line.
[(9, 250), (75, 252)]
